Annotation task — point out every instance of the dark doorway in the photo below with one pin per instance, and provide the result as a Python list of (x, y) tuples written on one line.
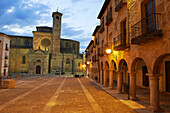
[(38, 69), (167, 72), (4, 72), (145, 77), (102, 76)]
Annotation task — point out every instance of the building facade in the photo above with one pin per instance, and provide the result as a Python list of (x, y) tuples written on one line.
[(45, 52), (4, 55), (137, 34)]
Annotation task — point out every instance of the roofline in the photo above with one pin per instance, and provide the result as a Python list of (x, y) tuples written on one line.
[(57, 12), (106, 3), (96, 29), (91, 42), (70, 40), (44, 27), (5, 35), (19, 36)]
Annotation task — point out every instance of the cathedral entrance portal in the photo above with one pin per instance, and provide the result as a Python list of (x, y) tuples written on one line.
[(38, 69)]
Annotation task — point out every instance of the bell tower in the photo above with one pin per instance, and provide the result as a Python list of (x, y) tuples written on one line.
[(56, 41)]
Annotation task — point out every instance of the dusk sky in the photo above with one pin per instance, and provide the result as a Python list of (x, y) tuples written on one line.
[(20, 17)]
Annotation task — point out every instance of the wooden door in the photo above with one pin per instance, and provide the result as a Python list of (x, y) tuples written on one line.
[(38, 70)]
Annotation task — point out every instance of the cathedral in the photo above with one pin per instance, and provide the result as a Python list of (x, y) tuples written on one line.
[(45, 52)]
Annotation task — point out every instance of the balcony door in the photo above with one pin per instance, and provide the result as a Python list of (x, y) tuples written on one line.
[(123, 32), (150, 17)]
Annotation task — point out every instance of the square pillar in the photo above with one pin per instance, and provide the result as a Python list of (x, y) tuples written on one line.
[(119, 82), (105, 77), (154, 93), (111, 79), (133, 86), (101, 77)]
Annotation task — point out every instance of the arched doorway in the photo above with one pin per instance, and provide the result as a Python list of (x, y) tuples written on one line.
[(38, 69), (113, 75), (123, 83), (106, 74), (139, 78)]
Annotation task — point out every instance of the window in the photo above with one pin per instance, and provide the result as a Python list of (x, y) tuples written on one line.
[(38, 60), (67, 44), (73, 46), (24, 59), (26, 43), (67, 61), (17, 42), (79, 64)]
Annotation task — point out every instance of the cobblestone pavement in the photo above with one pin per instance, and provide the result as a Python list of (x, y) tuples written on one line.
[(53, 94)]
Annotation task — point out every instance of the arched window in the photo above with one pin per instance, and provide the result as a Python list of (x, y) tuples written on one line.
[(24, 59), (67, 61), (38, 60)]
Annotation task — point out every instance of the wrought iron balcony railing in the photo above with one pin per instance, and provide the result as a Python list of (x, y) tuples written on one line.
[(109, 17), (5, 65), (97, 41), (147, 29), (119, 4), (108, 45), (6, 57), (121, 42)]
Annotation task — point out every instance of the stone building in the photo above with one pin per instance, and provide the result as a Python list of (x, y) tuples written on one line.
[(45, 52), (137, 34), (4, 55)]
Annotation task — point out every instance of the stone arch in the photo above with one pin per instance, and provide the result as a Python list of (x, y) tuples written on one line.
[(122, 62), (123, 78), (113, 65), (140, 68), (113, 75), (158, 62), (106, 73), (161, 68), (106, 65)]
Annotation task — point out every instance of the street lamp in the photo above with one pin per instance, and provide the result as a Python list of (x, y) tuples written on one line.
[(108, 51), (88, 62)]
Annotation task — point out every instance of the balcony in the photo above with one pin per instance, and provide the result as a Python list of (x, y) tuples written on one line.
[(6, 48), (108, 45), (120, 42), (146, 30), (5, 65), (109, 17), (6, 57), (119, 4), (97, 41), (102, 27)]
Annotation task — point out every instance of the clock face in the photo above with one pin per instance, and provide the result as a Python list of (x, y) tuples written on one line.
[(57, 17)]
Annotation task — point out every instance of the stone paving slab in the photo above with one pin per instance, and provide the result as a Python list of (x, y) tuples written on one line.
[(123, 98)]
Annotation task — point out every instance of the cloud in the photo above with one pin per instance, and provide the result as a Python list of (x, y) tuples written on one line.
[(78, 21), (10, 10)]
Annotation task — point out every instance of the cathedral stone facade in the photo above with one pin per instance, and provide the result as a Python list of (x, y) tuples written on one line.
[(45, 52)]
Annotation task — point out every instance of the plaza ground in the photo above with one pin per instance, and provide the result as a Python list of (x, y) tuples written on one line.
[(65, 94)]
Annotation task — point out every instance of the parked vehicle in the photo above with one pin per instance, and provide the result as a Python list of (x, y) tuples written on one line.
[(62, 73), (57, 73)]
